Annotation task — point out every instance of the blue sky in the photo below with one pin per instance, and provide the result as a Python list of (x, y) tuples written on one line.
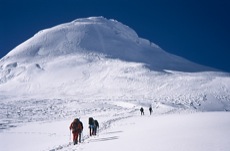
[(197, 30)]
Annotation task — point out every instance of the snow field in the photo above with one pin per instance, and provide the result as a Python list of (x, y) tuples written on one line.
[(176, 132)]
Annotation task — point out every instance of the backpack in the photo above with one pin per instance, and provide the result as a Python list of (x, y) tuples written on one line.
[(96, 123), (75, 125), (91, 121), (141, 109)]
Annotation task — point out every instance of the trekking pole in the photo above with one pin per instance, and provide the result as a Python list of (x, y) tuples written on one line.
[(82, 137)]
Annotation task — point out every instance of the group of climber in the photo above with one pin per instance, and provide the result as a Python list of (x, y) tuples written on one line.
[(77, 127), (142, 110)]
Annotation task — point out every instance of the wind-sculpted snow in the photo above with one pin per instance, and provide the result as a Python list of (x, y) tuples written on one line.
[(25, 111), (95, 77)]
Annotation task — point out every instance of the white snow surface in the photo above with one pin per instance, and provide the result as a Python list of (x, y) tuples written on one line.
[(127, 130), (101, 68)]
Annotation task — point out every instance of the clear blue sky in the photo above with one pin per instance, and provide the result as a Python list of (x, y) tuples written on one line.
[(198, 30)]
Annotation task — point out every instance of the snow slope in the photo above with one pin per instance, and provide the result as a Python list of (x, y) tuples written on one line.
[(99, 67)]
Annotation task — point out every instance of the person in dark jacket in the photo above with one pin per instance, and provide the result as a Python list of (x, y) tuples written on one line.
[(150, 110), (91, 126), (142, 111), (96, 126)]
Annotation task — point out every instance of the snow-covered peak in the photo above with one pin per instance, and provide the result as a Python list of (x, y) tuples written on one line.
[(95, 34), (98, 35)]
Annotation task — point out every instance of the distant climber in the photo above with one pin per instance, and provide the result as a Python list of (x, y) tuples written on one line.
[(150, 110), (142, 111), (76, 128)]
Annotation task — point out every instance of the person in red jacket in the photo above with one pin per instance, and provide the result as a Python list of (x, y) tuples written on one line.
[(76, 128)]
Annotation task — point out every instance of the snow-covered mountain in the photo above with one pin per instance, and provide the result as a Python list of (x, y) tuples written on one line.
[(97, 58), (101, 37)]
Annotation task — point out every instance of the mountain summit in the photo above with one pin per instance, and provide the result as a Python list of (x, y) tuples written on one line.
[(100, 36)]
